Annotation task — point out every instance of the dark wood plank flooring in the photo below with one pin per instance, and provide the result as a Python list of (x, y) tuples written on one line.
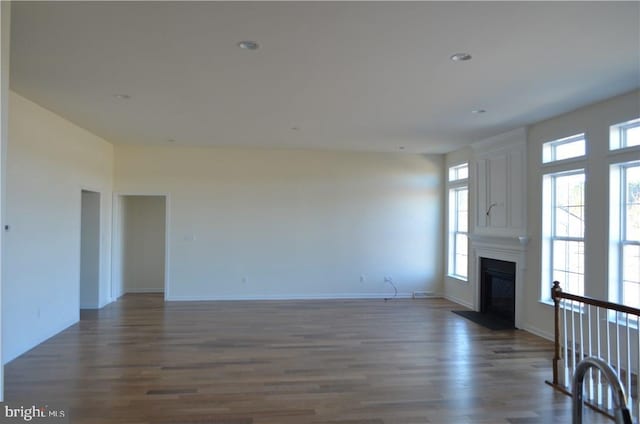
[(142, 361)]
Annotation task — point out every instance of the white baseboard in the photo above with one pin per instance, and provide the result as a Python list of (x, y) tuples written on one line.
[(458, 301), (102, 304), (320, 296), (143, 290), (538, 332), (105, 303)]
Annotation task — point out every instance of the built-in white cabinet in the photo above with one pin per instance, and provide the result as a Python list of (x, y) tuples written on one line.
[(500, 189)]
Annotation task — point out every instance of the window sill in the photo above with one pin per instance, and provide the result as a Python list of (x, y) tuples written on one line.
[(458, 278), (548, 302), (623, 150), (564, 162)]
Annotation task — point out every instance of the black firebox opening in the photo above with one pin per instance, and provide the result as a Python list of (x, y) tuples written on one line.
[(498, 289)]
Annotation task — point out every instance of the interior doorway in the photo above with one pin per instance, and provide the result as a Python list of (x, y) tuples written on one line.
[(90, 250), (142, 220)]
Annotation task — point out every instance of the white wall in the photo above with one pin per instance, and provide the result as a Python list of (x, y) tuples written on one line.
[(594, 121), (5, 34), (144, 243), (253, 223), (90, 250), (50, 161)]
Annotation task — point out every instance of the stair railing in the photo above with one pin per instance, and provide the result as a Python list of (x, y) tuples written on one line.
[(586, 327)]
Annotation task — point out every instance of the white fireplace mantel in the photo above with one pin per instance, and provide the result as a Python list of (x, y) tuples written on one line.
[(511, 249)]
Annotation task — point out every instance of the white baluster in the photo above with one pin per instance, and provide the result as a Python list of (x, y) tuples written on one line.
[(573, 340), (590, 385), (608, 399), (567, 380), (599, 347), (628, 370)]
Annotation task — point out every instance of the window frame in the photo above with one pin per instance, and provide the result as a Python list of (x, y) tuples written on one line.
[(454, 186), (553, 144), (549, 236), (618, 136), (618, 227), (455, 169)]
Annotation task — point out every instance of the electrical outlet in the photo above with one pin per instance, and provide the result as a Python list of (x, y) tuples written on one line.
[(363, 278), (245, 279)]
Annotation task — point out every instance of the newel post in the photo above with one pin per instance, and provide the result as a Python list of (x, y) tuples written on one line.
[(555, 295)]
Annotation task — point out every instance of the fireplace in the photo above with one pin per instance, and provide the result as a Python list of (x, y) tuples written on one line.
[(498, 289)]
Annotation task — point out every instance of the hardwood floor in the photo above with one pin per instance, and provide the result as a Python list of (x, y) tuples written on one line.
[(140, 360)]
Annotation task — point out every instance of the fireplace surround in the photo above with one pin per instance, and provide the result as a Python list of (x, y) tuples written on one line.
[(510, 249), (498, 289)]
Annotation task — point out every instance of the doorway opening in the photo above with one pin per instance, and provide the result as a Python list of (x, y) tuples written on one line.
[(142, 243), (90, 250)]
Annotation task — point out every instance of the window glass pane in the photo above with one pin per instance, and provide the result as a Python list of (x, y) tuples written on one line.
[(566, 148), (625, 134), (458, 226), (632, 207), (632, 136), (459, 172), (463, 172), (631, 275), (461, 255), (569, 206), (462, 203), (568, 265), (569, 150)]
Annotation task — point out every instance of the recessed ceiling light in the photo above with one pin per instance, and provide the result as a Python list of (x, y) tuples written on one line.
[(295, 128), (401, 147), (122, 96), (171, 140), (460, 57), (478, 111), (248, 45)]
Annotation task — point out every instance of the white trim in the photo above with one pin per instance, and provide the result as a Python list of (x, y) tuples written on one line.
[(145, 290), (116, 225), (453, 225), (512, 249), (459, 301), (319, 296), (458, 278), (540, 333), (623, 151), (5, 46), (553, 144), (99, 192)]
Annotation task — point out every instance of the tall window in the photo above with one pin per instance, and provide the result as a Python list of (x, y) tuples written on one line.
[(625, 226), (458, 221), (563, 231), (630, 243)]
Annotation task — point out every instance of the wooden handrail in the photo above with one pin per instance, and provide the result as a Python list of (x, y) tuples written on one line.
[(557, 293)]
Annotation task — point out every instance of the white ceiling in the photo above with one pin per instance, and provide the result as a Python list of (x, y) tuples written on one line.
[(349, 75)]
